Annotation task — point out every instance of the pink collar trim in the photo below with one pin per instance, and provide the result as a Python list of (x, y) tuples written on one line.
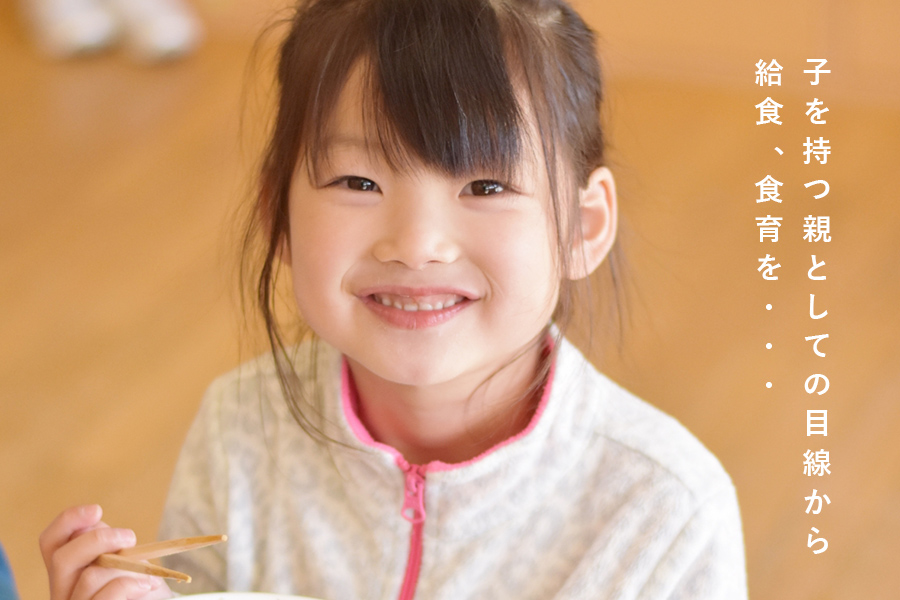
[(350, 405)]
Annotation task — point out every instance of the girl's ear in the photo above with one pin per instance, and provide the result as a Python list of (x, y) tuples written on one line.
[(599, 216)]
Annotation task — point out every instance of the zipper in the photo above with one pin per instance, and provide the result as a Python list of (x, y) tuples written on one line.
[(413, 511)]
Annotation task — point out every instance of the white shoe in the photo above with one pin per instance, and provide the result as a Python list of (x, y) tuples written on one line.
[(157, 29), (65, 28)]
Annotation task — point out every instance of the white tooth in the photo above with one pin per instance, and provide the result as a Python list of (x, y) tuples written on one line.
[(412, 307)]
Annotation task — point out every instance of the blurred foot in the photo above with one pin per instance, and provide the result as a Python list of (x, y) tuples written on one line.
[(65, 28), (157, 29)]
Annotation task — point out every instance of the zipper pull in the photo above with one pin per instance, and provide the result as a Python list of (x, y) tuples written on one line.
[(413, 493)]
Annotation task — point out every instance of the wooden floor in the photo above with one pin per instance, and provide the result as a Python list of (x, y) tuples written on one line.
[(119, 190)]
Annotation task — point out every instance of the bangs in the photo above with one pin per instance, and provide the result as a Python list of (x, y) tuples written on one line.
[(437, 84)]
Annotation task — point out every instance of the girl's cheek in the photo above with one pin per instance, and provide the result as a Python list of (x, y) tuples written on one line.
[(521, 256)]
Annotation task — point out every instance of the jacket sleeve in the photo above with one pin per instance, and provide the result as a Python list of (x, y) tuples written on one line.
[(705, 561), (197, 499)]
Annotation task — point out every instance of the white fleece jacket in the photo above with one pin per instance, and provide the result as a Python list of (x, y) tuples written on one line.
[(601, 497)]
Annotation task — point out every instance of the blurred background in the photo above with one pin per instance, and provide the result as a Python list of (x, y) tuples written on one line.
[(121, 189)]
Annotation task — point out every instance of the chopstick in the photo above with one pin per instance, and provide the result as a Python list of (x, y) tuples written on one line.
[(131, 559), (117, 562), (168, 547)]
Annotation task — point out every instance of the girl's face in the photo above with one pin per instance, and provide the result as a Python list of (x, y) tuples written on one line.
[(420, 278)]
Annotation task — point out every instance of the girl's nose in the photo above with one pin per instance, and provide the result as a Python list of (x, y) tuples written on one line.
[(417, 231)]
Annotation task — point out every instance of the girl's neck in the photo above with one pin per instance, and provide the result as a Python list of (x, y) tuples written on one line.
[(451, 422)]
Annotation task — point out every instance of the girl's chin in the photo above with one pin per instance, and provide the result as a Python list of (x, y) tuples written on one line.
[(416, 366), (414, 375)]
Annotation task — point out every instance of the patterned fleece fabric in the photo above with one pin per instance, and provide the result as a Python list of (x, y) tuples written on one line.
[(601, 497)]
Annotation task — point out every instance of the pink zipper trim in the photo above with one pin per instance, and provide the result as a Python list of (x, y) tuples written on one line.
[(413, 509), (414, 487), (414, 512)]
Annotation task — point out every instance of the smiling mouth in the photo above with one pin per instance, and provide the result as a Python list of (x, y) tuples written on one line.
[(418, 303)]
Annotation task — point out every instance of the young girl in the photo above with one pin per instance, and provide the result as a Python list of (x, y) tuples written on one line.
[(435, 185)]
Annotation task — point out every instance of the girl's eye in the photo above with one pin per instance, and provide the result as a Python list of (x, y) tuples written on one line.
[(484, 187), (358, 184)]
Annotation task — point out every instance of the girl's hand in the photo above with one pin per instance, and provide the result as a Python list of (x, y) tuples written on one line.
[(73, 541)]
